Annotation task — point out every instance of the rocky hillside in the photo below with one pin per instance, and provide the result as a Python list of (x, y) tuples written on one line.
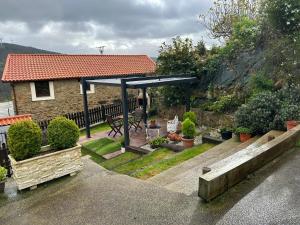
[(5, 49)]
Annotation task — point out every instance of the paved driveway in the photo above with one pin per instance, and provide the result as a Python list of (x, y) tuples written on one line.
[(97, 196)]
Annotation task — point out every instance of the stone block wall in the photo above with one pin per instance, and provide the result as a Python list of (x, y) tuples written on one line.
[(68, 99), (31, 172)]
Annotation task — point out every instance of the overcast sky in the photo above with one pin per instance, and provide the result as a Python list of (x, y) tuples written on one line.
[(123, 26)]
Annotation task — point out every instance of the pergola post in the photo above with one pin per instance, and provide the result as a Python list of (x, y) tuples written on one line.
[(188, 99), (86, 108), (125, 111), (145, 116)]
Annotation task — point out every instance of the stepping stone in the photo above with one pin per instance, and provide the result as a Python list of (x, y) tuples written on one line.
[(112, 155)]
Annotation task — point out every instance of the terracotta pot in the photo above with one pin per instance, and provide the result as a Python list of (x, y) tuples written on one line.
[(245, 137), (2, 186), (291, 124), (187, 143), (152, 123)]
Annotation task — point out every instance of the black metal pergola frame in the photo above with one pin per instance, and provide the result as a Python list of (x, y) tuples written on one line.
[(134, 82)]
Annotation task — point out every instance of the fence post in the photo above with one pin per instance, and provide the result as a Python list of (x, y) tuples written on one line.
[(103, 112)]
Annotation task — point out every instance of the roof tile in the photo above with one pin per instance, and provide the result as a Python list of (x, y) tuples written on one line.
[(30, 67), (5, 121)]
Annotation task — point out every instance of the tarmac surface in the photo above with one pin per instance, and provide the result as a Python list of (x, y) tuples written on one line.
[(98, 196)]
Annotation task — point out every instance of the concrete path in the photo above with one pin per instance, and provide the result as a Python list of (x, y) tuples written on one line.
[(184, 177), (275, 201)]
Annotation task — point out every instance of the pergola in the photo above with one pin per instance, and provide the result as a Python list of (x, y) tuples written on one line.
[(134, 83)]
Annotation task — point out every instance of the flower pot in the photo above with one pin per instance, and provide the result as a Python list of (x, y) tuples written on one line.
[(291, 124), (226, 135), (187, 143), (152, 123), (2, 186), (123, 149), (244, 137)]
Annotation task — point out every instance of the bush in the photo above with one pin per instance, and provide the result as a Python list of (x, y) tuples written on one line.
[(62, 133), (3, 173), (191, 115), (283, 15), (155, 143), (269, 110), (188, 129), (24, 139), (259, 82), (227, 103)]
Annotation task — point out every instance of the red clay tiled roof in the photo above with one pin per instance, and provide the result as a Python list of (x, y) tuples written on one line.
[(5, 121), (29, 67)]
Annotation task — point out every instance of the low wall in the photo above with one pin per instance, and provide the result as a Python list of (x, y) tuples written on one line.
[(205, 118), (233, 169)]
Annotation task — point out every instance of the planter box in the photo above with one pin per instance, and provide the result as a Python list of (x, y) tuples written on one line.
[(31, 172)]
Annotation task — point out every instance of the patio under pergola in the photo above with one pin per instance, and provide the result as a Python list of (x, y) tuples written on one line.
[(134, 82)]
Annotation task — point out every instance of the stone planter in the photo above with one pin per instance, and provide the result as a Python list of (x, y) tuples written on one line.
[(31, 172)]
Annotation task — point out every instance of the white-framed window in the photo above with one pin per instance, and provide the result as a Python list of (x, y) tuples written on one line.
[(90, 89), (42, 90)]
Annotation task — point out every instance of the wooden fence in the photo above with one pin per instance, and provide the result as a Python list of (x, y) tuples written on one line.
[(96, 115)]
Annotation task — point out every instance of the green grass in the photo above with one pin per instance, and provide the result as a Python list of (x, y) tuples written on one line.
[(96, 129), (165, 164), (102, 146), (144, 161), (119, 160)]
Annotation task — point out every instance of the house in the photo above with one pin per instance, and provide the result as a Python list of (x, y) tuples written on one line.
[(46, 85)]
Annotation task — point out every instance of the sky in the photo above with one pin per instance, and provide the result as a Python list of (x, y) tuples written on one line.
[(122, 26)]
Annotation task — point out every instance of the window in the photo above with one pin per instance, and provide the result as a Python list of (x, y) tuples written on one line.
[(42, 90), (90, 89)]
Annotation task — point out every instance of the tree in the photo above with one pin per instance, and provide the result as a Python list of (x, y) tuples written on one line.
[(174, 59), (220, 18)]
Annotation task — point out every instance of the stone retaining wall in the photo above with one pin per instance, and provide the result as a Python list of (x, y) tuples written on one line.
[(31, 172)]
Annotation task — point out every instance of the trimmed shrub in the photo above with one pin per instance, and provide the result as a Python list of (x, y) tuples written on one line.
[(62, 133), (24, 139), (3, 173), (191, 115), (188, 129)]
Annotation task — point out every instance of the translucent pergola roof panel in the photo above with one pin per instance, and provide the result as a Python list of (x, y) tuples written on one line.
[(143, 82)]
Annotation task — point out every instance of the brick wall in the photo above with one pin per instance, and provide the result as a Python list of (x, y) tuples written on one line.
[(67, 99)]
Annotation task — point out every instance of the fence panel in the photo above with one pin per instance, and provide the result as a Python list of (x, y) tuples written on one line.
[(4, 160)]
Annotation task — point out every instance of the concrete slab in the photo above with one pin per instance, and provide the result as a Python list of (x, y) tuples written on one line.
[(228, 172)]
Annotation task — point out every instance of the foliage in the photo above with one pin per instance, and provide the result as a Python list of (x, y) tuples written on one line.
[(220, 18), (283, 15), (191, 115), (176, 58), (62, 133), (200, 48), (243, 130), (3, 173), (155, 143), (227, 103), (226, 129), (259, 82), (24, 139), (188, 129), (269, 110)]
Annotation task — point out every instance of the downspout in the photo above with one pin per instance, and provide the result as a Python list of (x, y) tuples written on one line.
[(14, 100)]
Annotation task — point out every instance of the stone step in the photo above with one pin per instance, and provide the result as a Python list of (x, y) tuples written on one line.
[(113, 154), (233, 169)]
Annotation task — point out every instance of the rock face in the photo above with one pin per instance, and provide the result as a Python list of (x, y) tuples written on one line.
[(31, 172)]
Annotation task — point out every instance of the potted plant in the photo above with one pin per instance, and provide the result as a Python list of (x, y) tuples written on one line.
[(152, 123), (122, 142), (226, 133), (189, 131), (244, 132), (33, 164), (290, 124), (191, 115), (3, 174), (155, 143)]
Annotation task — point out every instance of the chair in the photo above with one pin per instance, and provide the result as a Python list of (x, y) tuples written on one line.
[(137, 117), (115, 125)]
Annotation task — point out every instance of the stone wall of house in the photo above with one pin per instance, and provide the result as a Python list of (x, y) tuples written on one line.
[(68, 99)]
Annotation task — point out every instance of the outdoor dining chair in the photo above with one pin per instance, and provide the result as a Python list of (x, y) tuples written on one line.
[(136, 119), (115, 125)]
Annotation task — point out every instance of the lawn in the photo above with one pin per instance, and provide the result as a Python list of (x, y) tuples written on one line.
[(138, 165), (96, 129), (102, 146)]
